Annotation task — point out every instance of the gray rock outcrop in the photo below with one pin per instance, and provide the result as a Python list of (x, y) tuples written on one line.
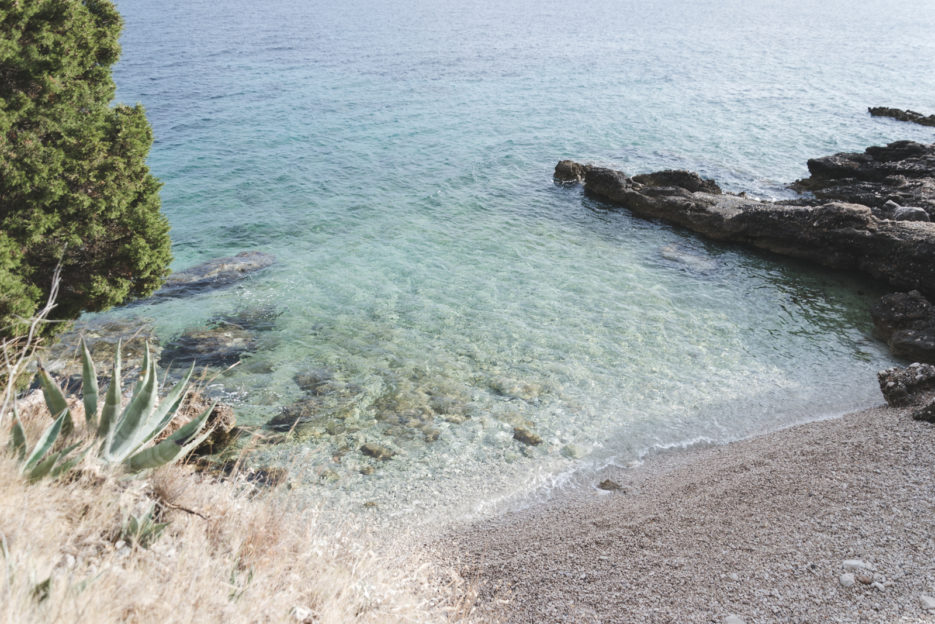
[(902, 115), (836, 234)]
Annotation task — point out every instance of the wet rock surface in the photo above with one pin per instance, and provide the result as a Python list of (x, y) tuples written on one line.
[(214, 274), (837, 234), (902, 115), (219, 346), (224, 342), (906, 321)]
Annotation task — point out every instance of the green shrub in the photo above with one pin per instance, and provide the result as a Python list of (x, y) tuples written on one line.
[(74, 185)]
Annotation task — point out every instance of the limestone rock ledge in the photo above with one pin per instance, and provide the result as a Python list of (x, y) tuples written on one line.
[(836, 234)]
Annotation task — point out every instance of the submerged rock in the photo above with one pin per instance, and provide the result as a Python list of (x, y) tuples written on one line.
[(902, 115), (377, 451), (906, 321), (219, 346), (526, 436), (904, 386), (214, 274)]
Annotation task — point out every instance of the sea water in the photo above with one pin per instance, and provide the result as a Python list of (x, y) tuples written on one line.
[(396, 159)]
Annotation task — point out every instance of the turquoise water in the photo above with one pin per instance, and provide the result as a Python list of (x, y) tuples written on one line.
[(396, 158)]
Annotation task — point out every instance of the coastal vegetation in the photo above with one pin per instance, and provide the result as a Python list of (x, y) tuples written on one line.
[(75, 190), (99, 522)]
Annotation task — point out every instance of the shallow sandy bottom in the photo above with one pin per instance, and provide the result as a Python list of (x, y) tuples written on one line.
[(757, 529)]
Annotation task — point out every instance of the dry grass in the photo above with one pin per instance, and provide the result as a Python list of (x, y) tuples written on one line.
[(241, 557)]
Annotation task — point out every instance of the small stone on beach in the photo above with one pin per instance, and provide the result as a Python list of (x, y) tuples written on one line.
[(847, 579)]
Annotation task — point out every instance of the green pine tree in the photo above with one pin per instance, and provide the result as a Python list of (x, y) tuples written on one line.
[(74, 185)]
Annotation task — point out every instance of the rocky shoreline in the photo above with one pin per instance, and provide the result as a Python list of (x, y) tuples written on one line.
[(871, 212)]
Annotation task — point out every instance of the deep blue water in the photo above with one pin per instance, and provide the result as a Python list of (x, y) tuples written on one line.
[(396, 158)]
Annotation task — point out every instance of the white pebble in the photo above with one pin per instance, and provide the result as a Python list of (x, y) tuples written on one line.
[(733, 619), (734, 576), (847, 579), (927, 602), (878, 585), (856, 564)]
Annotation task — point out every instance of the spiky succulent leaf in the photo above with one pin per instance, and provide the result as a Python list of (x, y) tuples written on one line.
[(127, 437), (46, 440), (89, 386), (144, 374), (42, 468), (55, 400), (163, 415), (105, 428), (65, 466), (18, 437), (176, 445)]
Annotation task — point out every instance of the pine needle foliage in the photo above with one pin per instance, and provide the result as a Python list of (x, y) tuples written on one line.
[(74, 185)]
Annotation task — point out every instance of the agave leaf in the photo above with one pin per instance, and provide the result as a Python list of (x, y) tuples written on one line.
[(163, 415), (176, 445), (18, 437), (144, 374), (46, 440), (55, 400), (105, 428), (127, 437), (88, 386), (66, 466), (42, 468)]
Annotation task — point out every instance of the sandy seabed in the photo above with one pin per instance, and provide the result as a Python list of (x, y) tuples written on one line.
[(757, 530)]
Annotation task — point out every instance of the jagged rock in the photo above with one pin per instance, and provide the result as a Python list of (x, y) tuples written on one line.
[(837, 234), (925, 413), (910, 213), (906, 321), (214, 274), (902, 115), (219, 346), (904, 386), (609, 485), (377, 451), (568, 171), (902, 172), (526, 436), (688, 180)]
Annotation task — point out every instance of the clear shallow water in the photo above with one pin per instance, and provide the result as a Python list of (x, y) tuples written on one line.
[(396, 158)]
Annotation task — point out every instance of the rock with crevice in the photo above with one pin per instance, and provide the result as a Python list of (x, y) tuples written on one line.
[(906, 321)]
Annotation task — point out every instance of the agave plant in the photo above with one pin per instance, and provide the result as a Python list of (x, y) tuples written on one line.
[(124, 434)]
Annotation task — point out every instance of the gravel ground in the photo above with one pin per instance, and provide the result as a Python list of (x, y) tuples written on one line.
[(755, 531)]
